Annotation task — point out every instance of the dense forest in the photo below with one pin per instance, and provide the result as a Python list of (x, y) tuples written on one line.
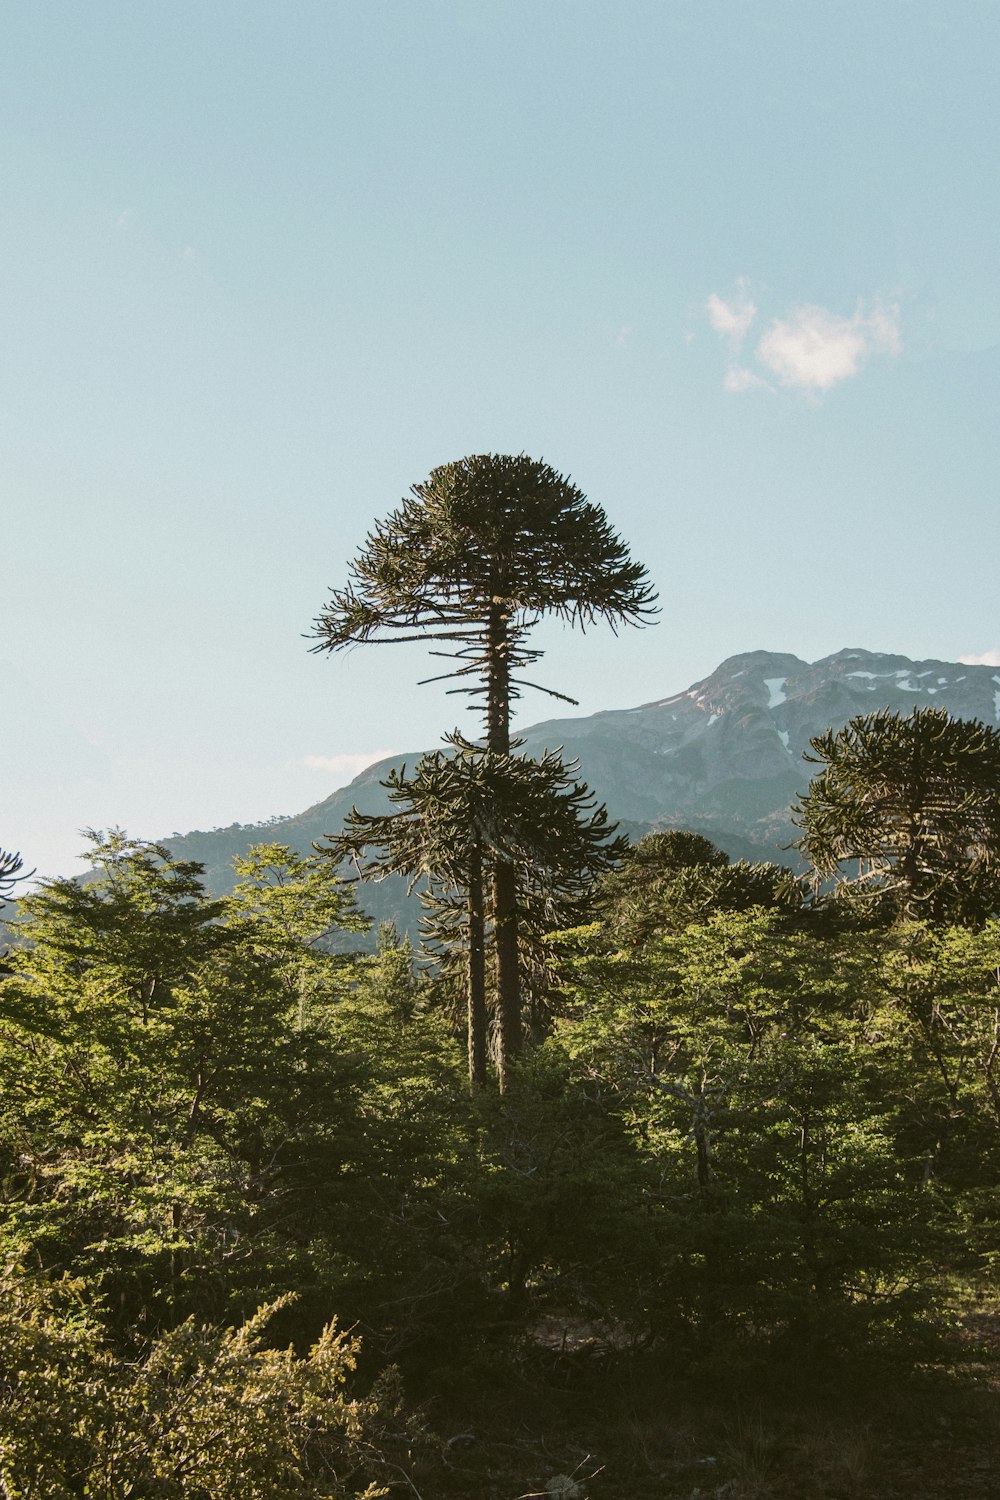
[(649, 1174)]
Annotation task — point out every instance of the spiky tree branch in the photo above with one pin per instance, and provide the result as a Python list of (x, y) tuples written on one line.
[(476, 555), (460, 811)]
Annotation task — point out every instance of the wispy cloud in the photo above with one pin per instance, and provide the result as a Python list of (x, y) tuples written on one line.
[(732, 319), (346, 766), (988, 659), (739, 378), (809, 348)]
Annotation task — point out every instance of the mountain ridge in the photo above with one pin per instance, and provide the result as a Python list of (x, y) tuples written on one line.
[(723, 757)]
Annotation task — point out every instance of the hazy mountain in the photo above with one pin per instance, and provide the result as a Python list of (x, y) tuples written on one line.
[(727, 752), (723, 757)]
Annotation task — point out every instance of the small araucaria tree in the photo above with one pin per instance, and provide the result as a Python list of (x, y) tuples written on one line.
[(915, 801), (458, 814), (475, 556)]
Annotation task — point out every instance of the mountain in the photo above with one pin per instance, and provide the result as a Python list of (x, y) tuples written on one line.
[(727, 752), (723, 757)]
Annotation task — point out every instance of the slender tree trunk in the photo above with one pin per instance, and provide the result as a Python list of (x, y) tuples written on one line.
[(504, 882), (477, 973), (508, 978)]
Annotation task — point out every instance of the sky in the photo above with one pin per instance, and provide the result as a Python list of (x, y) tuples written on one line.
[(733, 267)]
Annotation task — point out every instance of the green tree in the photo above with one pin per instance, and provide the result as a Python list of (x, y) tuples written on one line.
[(194, 1128), (673, 878), (914, 803), (767, 1085), (161, 1100), (286, 907), (942, 985), (475, 556), (461, 811)]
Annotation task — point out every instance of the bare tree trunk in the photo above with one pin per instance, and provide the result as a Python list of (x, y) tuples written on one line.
[(505, 935), (508, 977), (477, 973)]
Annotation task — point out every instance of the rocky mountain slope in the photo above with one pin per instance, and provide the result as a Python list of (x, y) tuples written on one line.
[(723, 757), (728, 751)]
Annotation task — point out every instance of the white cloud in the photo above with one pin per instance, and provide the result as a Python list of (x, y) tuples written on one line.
[(738, 378), (988, 659), (345, 766), (811, 348), (815, 349), (732, 319)]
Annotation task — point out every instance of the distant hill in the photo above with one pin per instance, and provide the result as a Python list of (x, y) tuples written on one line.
[(723, 757)]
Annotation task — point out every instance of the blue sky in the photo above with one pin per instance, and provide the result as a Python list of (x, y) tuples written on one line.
[(734, 267)]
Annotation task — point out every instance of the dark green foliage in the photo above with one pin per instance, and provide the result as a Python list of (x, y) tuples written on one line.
[(671, 879), (490, 539), (915, 801), (562, 1195), (398, 1228), (455, 816), (753, 1069)]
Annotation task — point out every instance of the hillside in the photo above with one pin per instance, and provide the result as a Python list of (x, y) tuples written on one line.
[(723, 757)]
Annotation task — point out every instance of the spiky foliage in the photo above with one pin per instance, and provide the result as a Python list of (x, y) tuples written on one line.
[(457, 813), (12, 871), (475, 556), (482, 549), (915, 801)]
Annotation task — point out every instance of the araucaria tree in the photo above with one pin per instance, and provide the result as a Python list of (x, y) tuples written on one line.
[(455, 814), (474, 557), (915, 801)]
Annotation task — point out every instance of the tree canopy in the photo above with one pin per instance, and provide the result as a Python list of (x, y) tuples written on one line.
[(914, 800), (475, 555)]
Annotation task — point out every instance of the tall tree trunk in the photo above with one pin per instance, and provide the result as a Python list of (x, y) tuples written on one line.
[(504, 882), (477, 972), (508, 977)]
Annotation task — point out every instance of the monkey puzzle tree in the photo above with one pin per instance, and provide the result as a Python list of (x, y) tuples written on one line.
[(11, 872), (475, 556), (459, 812), (915, 801)]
